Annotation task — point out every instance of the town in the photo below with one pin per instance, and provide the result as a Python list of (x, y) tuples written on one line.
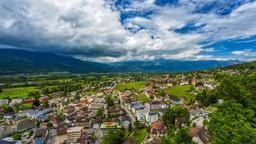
[(108, 108)]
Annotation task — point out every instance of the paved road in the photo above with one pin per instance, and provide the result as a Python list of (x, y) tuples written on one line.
[(132, 117), (51, 136), (98, 136), (32, 137)]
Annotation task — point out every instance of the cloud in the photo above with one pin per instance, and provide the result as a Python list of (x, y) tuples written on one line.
[(106, 30), (245, 53)]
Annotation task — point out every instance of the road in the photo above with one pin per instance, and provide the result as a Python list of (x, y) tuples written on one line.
[(51, 136), (132, 117)]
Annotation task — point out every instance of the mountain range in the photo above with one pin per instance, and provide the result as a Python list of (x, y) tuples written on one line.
[(13, 61)]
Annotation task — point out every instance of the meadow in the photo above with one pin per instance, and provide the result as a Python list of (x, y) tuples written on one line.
[(21, 92), (180, 91), (129, 86)]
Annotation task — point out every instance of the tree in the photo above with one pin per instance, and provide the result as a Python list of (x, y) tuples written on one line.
[(17, 136), (109, 101), (1, 89), (100, 112), (137, 124), (113, 137), (8, 109), (232, 123), (34, 94), (172, 113), (37, 124), (161, 93), (207, 97), (49, 125), (36, 102), (182, 137), (130, 127)]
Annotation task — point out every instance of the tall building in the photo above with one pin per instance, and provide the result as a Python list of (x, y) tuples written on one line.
[(73, 134)]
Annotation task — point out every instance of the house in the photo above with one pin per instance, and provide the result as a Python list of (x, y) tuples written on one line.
[(84, 139), (176, 100), (151, 116), (6, 129), (84, 122), (95, 106), (125, 121), (129, 141), (106, 126), (156, 104), (27, 101), (43, 99), (25, 125), (16, 101), (61, 134), (141, 114), (73, 134), (4, 102), (180, 122), (157, 129), (134, 104), (37, 114), (40, 135), (199, 135), (12, 141)]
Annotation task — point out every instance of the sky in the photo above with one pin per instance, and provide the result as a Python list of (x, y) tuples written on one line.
[(126, 30)]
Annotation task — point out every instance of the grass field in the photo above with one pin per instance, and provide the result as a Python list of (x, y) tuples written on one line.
[(139, 135), (142, 97), (129, 86), (180, 91), (21, 92)]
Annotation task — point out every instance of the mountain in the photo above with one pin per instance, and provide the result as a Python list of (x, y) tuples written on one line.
[(13, 61), (171, 65)]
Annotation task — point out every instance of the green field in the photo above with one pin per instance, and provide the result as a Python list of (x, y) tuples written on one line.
[(139, 135), (129, 86), (12, 93), (142, 97), (180, 91)]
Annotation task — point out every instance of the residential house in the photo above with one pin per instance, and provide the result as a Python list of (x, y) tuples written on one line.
[(84, 122), (181, 122), (16, 101), (40, 135), (199, 135), (43, 99), (125, 121), (157, 129), (4, 102), (61, 134), (36, 114), (95, 106), (106, 126), (176, 100), (28, 101), (155, 105), (25, 125), (6, 129)]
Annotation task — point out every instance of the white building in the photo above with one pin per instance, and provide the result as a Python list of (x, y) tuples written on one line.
[(4, 102), (16, 101), (151, 117), (141, 115), (73, 134)]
